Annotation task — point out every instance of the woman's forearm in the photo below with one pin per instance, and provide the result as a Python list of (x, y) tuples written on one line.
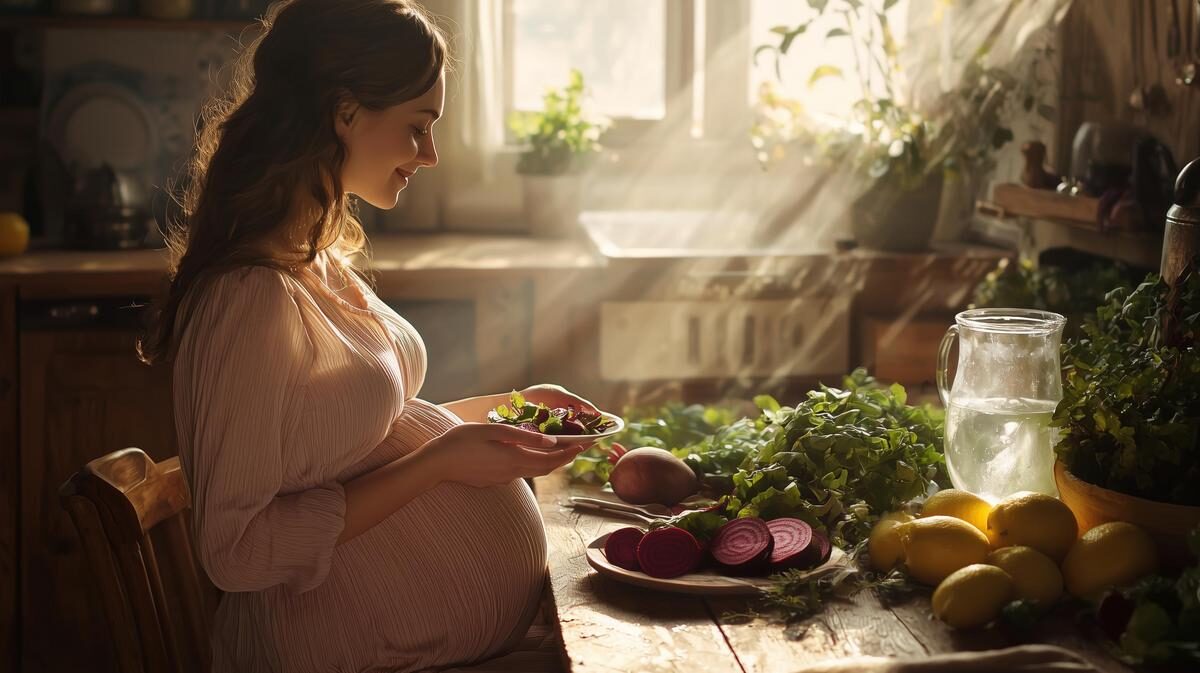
[(374, 496), (474, 409)]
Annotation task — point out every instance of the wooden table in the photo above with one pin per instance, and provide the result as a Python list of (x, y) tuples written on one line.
[(612, 627)]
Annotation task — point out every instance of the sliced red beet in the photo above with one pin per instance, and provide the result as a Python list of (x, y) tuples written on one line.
[(792, 540), (817, 553), (668, 552), (615, 453), (742, 546), (572, 428), (621, 548)]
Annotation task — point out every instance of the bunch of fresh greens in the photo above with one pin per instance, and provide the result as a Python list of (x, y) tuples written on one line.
[(1164, 624), (840, 458), (537, 417), (1130, 413), (688, 431), (1049, 288), (561, 135)]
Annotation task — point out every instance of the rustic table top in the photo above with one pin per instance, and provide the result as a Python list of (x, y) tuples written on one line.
[(609, 626)]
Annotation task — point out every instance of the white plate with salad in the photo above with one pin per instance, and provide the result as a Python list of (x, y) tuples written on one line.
[(570, 425)]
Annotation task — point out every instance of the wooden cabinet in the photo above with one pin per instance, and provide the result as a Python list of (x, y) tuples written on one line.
[(83, 393), (904, 350)]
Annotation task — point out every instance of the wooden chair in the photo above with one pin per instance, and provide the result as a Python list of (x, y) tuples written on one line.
[(132, 515)]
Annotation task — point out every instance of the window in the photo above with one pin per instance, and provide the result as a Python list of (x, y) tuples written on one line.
[(805, 73), (618, 45), (683, 62)]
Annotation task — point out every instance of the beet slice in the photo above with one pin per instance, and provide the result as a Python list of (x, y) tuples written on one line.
[(621, 547), (792, 539), (668, 552), (817, 553), (572, 428), (742, 546)]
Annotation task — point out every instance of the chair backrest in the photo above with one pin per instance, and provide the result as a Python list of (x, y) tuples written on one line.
[(133, 517)]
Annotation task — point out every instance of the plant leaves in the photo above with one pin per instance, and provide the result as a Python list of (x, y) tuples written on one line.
[(823, 71)]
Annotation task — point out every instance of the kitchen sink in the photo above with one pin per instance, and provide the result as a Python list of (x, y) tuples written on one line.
[(690, 233)]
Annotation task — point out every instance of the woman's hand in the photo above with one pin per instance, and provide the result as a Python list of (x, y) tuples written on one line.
[(489, 454), (553, 395)]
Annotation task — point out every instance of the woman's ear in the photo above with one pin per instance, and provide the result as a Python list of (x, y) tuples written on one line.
[(344, 117)]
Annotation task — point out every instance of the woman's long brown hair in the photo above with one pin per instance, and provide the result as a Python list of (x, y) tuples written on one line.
[(269, 142)]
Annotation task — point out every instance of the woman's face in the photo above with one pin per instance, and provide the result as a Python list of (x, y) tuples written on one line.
[(386, 147)]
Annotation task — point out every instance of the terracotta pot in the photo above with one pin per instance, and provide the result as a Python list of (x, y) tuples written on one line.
[(1168, 524), (891, 219), (552, 205)]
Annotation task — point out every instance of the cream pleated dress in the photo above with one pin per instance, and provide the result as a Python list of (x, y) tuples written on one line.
[(287, 386)]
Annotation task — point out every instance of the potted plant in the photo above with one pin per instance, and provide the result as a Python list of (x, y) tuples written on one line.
[(900, 154), (559, 142), (1129, 420)]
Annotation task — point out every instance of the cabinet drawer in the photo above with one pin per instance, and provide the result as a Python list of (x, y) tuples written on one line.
[(642, 341)]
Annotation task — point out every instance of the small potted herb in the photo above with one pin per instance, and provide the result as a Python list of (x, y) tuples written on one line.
[(1129, 447), (559, 142)]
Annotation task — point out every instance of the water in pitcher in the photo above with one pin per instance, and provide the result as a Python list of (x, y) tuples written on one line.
[(998, 446)]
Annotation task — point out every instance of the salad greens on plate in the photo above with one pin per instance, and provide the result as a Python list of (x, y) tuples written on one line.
[(537, 417)]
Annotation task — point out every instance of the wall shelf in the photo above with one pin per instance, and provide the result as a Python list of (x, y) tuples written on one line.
[(1033, 235)]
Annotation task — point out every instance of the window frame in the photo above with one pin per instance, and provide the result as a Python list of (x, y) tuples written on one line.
[(678, 71)]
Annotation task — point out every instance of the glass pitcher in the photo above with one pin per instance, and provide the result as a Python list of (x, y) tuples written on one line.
[(1007, 384)]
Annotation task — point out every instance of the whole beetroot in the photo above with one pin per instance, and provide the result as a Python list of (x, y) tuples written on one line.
[(649, 475)]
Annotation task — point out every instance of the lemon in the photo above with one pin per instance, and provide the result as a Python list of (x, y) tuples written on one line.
[(960, 505), (1035, 576), (1033, 520), (972, 596), (1110, 555), (935, 546), (884, 545), (14, 234)]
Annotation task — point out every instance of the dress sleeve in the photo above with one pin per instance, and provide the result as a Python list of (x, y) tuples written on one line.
[(239, 373)]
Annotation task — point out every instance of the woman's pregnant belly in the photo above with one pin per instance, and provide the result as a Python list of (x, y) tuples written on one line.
[(445, 579)]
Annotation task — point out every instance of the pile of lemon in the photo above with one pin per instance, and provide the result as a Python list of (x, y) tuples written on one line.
[(981, 557)]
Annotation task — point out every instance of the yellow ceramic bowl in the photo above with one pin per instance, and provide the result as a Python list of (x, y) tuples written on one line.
[(1168, 524)]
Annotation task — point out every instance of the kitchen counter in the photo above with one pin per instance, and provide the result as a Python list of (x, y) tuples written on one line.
[(408, 258), (54, 273)]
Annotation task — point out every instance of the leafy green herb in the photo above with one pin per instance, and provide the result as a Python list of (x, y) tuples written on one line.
[(854, 454), (839, 459), (562, 136), (685, 430), (1164, 628), (1069, 291), (1130, 413), (798, 595)]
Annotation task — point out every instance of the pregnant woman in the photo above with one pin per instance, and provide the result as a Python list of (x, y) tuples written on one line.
[(352, 525)]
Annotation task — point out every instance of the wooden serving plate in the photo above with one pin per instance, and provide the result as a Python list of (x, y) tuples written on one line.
[(704, 582)]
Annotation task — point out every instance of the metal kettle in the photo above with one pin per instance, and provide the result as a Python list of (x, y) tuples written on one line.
[(104, 210)]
